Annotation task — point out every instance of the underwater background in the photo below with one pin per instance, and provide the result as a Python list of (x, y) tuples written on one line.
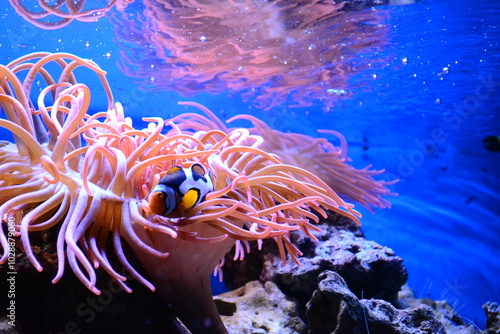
[(415, 89)]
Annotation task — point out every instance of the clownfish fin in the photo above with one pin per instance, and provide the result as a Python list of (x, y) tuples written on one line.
[(197, 168), (198, 172), (190, 198), (174, 169)]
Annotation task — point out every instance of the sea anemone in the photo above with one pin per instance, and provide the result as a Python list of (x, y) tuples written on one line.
[(327, 161), (90, 176), (316, 155)]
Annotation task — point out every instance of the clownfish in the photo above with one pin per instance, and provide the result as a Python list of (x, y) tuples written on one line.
[(181, 188)]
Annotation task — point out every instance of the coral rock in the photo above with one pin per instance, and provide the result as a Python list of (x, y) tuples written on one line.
[(450, 319), (6, 326), (492, 318), (259, 308), (369, 269), (333, 308)]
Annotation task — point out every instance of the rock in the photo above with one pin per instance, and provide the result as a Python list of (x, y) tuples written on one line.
[(450, 319), (333, 305), (335, 274), (6, 326), (492, 318), (383, 318), (369, 269), (336, 310), (259, 308)]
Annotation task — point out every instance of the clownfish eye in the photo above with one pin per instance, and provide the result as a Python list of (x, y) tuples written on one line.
[(160, 195)]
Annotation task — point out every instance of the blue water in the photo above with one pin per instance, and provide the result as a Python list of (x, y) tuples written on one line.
[(421, 112)]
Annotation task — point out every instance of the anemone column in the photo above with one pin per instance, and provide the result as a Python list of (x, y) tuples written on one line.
[(183, 278)]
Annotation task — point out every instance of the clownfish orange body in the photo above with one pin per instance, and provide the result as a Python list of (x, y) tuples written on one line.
[(180, 190)]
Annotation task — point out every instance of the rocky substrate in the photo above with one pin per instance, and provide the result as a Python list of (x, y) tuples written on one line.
[(344, 284)]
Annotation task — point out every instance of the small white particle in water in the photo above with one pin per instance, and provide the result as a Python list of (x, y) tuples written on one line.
[(203, 39), (337, 92), (438, 101), (415, 75), (152, 66), (445, 70), (152, 79), (87, 45), (59, 40), (108, 55), (374, 76), (240, 68), (404, 60)]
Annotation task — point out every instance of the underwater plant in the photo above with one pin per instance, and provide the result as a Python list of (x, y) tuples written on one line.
[(91, 177)]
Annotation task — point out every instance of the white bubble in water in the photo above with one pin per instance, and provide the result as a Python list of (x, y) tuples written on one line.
[(444, 70), (337, 92)]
